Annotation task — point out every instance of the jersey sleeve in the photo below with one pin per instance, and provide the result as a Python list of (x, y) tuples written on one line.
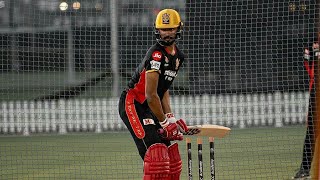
[(153, 62)]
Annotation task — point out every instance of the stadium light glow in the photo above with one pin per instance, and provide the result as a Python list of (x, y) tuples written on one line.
[(292, 7), (63, 6), (303, 7), (76, 5), (2, 4), (99, 6)]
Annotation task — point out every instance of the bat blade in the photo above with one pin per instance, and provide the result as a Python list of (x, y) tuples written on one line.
[(208, 130)]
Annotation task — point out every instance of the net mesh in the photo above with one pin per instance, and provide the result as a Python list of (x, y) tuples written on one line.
[(64, 64)]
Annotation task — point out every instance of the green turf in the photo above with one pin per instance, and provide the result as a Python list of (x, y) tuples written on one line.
[(257, 153)]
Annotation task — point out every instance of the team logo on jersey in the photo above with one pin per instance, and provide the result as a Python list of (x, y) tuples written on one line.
[(155, 64), (156, 55), (170, 73), (177, 63), (148, 121), (165, 18)]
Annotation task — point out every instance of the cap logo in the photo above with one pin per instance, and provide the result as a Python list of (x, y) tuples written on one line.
[(165, 18)]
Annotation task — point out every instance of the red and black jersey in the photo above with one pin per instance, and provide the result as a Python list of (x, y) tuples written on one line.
[(156, 59)]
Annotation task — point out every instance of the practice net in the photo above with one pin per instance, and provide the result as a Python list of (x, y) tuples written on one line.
[(64, 64)]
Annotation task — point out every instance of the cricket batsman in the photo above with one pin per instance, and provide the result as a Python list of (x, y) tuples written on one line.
[(145, 108), (308, 146)]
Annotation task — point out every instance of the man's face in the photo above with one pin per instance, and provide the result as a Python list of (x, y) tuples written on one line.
[(168, 34)]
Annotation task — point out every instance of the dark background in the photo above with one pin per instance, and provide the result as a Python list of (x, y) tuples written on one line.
[(231, 46)]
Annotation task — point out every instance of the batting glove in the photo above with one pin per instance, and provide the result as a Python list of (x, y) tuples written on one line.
[(170, 131), (181, 123), (315, 48), (306, 54)]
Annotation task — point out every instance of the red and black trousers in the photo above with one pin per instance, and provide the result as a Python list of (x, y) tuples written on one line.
[(140, 121)]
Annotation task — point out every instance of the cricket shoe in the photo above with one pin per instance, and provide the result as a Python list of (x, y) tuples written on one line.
[(302, 174)]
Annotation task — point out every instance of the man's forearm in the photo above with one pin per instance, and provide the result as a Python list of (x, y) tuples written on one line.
[(156, 107), (165, 102)]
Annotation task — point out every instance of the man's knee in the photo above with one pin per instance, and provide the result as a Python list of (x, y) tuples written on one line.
[(156, 162)]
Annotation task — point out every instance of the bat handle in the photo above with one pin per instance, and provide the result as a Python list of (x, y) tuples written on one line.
[(160, 131)]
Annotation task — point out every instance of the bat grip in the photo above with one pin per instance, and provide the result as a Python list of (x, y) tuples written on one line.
[(160, 131)]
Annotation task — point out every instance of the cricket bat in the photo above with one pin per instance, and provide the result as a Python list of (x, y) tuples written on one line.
[(208, 130)]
